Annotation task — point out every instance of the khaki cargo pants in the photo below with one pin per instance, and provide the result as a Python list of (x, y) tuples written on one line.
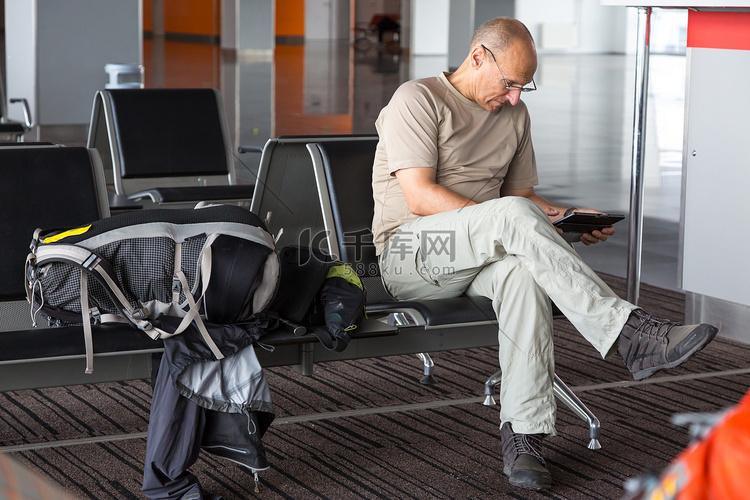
[(507, 250)]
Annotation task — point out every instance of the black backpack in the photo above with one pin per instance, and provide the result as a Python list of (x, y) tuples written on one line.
[(216, 263)]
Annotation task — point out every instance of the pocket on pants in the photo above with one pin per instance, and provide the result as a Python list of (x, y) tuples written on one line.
[(451, 281), (405, 280)]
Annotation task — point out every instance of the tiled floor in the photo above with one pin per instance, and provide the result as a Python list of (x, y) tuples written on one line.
[(582, 123)]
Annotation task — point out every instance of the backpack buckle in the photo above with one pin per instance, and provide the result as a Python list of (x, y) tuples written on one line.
[(95, 315), (140, 314)]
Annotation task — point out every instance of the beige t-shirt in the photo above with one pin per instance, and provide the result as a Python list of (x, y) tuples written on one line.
[(428, 123)]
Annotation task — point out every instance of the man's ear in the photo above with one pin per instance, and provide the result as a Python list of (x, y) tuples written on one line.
[(477, 56)]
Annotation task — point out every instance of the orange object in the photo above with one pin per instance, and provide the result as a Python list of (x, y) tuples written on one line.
[(715, 468), (290, 18), (192, 17)]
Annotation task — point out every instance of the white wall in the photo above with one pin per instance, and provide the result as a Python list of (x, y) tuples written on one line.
[(444, 27), (20, 73), (579, 26), (327, 19), (248, 26), (429, 37), (460, 31), (716, 167), (60, 48), (601, 28), (257, 30), (230, 24), (430, 21)]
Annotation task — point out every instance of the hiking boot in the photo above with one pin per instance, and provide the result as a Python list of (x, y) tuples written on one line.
[(649, 344), (522, 459)]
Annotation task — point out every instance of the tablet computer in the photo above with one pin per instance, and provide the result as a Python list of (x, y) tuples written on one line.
[(578, 223)]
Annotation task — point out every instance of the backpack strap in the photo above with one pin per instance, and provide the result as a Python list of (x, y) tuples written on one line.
[(177, 267), (329, 341), (193, 315), (88, 337), (90, 263)]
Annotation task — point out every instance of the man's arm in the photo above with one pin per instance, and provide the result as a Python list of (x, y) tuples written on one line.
[(424, 196), (555, 212)]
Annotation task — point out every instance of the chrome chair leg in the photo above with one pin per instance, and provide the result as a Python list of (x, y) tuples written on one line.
[(489, 388), (429, 369), (564, 394), (568, 397)]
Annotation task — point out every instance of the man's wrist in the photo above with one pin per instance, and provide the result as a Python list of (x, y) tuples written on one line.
[(570, 211)]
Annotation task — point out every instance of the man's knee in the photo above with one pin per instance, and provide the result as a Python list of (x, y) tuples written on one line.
[(516, 207), (511, 278), (515, 273), (523, 207)]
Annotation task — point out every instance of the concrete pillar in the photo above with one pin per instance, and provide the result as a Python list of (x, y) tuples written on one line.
[(327, 20), (460, 31), (429, 37), (248, 25), (157, 18), (57, 50)]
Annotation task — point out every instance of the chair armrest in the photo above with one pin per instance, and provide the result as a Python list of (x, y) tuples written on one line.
[(249, 149), (183, 194), (26, 110)]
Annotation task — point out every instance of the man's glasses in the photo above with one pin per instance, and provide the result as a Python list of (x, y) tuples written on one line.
[(508, 86)]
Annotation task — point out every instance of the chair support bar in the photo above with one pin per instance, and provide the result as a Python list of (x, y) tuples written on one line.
[(564, 394), (429, 369)]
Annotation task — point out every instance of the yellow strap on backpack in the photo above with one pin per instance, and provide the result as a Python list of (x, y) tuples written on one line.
[(72, 232)]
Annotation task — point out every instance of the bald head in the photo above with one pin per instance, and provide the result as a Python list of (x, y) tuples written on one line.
[(511, 42), (500, 33), (502, 58)]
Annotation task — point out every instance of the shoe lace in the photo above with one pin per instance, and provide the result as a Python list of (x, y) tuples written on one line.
[(528, 444), (652, 327)]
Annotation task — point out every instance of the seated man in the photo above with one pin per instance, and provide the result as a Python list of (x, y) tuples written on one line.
[(456, 212)]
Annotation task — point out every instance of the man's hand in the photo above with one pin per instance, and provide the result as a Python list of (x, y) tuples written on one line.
[(594, 237), (597, 236)]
